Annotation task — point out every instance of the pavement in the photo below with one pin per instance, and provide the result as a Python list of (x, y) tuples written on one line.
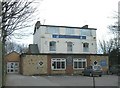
[(20, 80)]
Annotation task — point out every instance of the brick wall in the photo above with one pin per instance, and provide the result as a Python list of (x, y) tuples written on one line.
[(13, 56), (30, 64), (101, 60), (34, 64)]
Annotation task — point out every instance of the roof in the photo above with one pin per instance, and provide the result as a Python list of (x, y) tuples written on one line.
[(12, 52), (69, 27), (63, 54), (37, 25)]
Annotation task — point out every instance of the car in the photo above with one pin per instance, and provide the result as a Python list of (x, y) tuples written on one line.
[(93, 70), (115, 69)]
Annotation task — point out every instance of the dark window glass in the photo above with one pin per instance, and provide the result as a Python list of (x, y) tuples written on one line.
[(63, 65), (86, 47), (58, 65), (52, 46), (79, 64), (84, 65), (69, 46), (11, 70), (75, 64)]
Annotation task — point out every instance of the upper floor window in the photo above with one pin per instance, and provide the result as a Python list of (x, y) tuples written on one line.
[(52, 30), (85, 47), (70, 31), (79, 63), (69, 46), (52, 46), (85, 32)]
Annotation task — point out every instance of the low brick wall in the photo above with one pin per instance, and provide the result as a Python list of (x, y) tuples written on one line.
[(101, 60), (41, 64), (34, 64)]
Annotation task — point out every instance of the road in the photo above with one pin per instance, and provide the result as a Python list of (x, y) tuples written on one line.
[(20, 80)]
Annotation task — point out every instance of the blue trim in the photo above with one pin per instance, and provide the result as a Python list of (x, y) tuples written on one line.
[(69, 36)]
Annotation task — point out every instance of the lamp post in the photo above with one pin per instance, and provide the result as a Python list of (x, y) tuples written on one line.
[(95, 63), (93, 82), (0, 46)]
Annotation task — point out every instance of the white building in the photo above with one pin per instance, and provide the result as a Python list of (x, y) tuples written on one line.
[(65, 39)]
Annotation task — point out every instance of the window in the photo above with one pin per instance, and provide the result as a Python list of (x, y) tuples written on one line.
[(69, 46), (79, 63), (85, 47), (70, 31), (58, 64), (52, 30), (12, 67), (52, 45), (85, 32)]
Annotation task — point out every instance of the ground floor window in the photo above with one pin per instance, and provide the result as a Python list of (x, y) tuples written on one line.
[(12, 67), (79, 63), (58, 64)]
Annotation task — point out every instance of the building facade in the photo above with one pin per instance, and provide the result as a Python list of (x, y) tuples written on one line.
[(64, 39), (13, 62), (60, 64), (62, 50)]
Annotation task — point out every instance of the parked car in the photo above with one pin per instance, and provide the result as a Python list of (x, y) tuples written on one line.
[(115, 69), (93, 70)]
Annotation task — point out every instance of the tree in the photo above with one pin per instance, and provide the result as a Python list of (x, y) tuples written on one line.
[(114, 57), (15, 15), (109, 47), (12, 46), (112, 47), (106, 46), (115, 29)]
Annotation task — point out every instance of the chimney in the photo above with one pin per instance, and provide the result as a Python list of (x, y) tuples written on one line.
[(37, 25), (85, 26)]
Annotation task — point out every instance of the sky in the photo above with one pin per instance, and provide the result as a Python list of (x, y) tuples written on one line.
[(77, 13)]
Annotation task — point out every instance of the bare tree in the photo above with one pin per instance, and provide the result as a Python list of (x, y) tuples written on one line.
[(115, 29), (106, 46), (16, 14), (12, 46)]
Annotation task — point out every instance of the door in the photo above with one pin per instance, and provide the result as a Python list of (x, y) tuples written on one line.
[(12, 67)]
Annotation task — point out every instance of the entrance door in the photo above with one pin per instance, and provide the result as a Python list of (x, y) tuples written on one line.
[(12, 67)]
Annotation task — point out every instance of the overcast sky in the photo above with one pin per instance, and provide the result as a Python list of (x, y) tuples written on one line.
[(95, 13)]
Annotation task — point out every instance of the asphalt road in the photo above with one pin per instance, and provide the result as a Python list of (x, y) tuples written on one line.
[(20, 80)]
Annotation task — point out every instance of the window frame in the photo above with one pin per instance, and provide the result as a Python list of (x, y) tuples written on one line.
[(68, 46), (79, 60), (50, 47), (85, 49), (58, 60), (52, 30), (85, 32), (70, 31)]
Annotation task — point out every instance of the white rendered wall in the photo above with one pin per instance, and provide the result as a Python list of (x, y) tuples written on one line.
[(42, 39)]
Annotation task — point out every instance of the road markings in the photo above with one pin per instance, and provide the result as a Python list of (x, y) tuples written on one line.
[(34, 77)]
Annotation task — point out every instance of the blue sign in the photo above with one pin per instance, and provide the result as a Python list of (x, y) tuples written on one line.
[(103, 63), (69, 36)]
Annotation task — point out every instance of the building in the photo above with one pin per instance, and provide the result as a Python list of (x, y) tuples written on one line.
[(13, 62), (62, 50), (60, 64), (64, 39)]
